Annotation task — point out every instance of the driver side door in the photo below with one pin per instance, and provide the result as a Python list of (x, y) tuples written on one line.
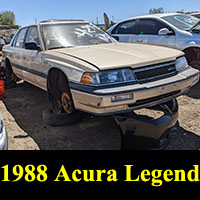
[(149, 33), (33, 59)]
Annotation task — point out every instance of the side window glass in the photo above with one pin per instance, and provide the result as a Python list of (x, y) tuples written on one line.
[(15, 40), (150, 27), (126, 28), (32, 35), (19, 43)]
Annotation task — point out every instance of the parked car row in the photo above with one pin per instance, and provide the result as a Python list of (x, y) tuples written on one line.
[(83, 68), (6, 34)]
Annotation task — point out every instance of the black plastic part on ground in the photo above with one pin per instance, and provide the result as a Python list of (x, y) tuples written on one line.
[(143, 132)]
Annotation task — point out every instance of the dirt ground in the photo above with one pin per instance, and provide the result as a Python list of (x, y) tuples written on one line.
[(22, 114)]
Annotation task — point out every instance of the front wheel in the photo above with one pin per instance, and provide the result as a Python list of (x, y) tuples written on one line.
[(64, 104), (62, 101)]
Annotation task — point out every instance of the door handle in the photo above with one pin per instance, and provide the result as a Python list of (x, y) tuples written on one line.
[(140, 40)]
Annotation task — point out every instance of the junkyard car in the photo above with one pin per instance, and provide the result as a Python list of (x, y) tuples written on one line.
[(83, 68), (197, 15), (4, 31), (177, 31), (3, 136)]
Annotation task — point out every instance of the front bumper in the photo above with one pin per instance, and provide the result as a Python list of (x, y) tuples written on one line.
[(99, 101), (143, 132)]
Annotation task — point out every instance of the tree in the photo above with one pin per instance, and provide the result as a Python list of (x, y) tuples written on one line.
[(156, 10), (7, 18), (180, 11)]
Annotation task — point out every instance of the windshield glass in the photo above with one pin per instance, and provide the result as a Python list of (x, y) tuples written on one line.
[(73, 34), (183, 22)]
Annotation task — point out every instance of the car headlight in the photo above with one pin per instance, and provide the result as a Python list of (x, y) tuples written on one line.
[(108, 77), (181, 64)]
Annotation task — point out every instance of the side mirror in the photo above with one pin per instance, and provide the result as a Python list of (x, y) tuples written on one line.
[(116, 37), (165, 32), (32, 46)]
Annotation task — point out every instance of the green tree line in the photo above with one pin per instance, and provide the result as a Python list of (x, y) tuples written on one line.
[(7, 18)]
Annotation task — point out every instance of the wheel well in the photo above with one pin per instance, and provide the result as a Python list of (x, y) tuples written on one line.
[(54, 78), (192, 54)]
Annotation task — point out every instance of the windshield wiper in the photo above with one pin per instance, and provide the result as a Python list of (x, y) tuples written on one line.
[(60, 47)]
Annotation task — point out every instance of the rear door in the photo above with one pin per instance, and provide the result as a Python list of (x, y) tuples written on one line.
[(17, 53), (148, 33), (126, 31)]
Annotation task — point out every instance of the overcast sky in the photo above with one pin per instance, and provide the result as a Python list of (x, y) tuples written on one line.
[(27, 11)]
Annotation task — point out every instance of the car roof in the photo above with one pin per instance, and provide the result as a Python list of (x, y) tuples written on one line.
[(160, 15), (56, 21)]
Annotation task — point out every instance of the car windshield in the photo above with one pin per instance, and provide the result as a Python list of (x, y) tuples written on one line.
[(73, 34), (183, 22)]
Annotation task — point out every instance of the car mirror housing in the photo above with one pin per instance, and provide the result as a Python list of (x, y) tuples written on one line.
[(165, 31), (116, 37), (32, 46)]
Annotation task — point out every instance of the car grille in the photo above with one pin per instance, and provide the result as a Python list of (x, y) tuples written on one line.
[(154, 99), (155, 72)]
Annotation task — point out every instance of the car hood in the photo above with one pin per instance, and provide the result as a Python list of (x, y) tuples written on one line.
[(109, 56)]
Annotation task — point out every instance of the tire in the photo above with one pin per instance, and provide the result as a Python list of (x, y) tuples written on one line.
[(52, 119), (10, 82), (10, 77), (195, 64), (62, 102)]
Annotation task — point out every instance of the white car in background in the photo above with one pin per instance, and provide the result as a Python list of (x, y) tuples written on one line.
[(3, 136), (178, 31)]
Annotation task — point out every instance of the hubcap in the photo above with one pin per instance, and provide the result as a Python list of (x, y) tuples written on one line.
[(66, 103)]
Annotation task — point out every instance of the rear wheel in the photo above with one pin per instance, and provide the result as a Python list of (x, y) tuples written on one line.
[(10, 77)]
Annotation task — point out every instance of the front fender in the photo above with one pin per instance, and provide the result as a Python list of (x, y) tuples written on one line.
[(72, 73)]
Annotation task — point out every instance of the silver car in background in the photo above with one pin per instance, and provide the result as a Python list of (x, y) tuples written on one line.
[(177, 31), (3, 136)]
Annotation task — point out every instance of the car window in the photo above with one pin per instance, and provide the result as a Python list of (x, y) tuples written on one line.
[(150, 26), (19, 41), (128, 27), (32, 35), (63, 35), (183, 22)]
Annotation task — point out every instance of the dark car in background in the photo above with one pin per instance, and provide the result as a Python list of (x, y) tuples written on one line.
[(6, 35), (197, 15)]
